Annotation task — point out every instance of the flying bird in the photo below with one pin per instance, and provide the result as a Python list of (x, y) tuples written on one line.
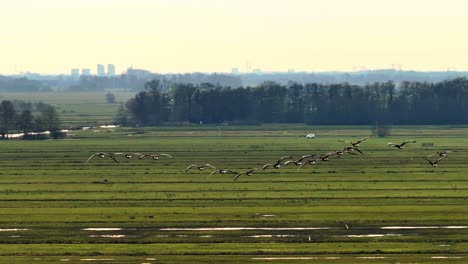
[(401, 145), (434, 163), (102, 155), (200, 167), (440, 153), (126, 155), (351, 150), (299, 161), (276, 165), (222, 171), (308, 162), (326, 156), (248, 173), (355, 144), (154, 156)]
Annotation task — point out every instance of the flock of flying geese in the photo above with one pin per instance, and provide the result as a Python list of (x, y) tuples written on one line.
[(309, 159)]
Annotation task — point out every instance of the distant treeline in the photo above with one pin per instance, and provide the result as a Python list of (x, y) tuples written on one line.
[(24, 117), (130, 82), (443, 102), (8, 84), (134, 79)]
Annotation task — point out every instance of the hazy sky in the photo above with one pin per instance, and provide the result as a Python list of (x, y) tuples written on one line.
[(52, 36)]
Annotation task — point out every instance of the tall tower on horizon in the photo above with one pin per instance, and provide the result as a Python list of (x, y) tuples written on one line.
[(75, 73), (100, 70), (110, 70), (85, 72)]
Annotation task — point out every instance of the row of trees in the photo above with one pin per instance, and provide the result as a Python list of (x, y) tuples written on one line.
[(326, 104), (27, 121)]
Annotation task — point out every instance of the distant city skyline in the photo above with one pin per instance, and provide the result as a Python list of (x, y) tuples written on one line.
[(183, 36)]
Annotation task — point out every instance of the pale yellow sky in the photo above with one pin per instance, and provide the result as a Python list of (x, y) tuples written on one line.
[(53, 36)]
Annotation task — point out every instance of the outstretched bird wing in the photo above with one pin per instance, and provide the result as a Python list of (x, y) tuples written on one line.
[(358, 150), (285, 157), (266, 166), (92, 156), (238, 175), (191, 166), (209, 165), (110, 156), (428, 160), (164, 154), (441, 158), (305, 156), (361, 140), (408, 141)]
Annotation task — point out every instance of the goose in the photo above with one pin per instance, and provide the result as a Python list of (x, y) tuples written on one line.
[(222, 171), (298, 162), (102, 155), (126, 155), (326, 156), (440, 153), (248, 173), (154, 156), (310, 162), (200, 167), (351, 150), (434, 163), (355, 144), (276, 165), (401, 145)]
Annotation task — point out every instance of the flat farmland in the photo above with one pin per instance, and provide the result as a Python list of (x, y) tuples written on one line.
[(384, 206), (77, 108)]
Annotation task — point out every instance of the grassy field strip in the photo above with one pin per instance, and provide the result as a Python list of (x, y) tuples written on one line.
[(398, 206)]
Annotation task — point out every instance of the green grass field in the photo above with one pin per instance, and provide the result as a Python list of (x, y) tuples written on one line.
[(77, 108), (51, 210)]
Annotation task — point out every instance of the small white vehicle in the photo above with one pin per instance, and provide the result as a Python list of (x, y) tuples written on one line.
[(311, 135)]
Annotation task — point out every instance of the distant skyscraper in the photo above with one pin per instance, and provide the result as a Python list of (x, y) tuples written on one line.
[(75, 73), (235, 71), (85, 71), (110, 70), (100, 70)]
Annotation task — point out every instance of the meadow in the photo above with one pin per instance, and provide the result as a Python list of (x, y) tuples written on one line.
[(54, 209), (77, 108)]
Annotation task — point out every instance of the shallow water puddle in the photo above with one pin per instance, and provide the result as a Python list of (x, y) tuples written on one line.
[(373, 235), (260, 236), (93, 259), (102, 229), (285, 258), (424, 227), (444, 257), (109, 236), (242, 228), (13, 229)]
